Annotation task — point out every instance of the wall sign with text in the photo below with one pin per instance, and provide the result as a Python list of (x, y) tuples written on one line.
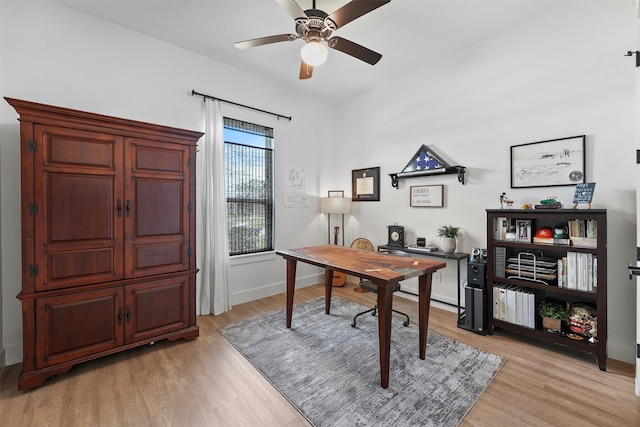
[(427, 196)]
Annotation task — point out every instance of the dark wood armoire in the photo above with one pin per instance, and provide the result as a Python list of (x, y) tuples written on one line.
[(108, 236)]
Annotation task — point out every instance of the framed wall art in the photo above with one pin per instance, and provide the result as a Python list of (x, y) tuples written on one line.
[(550, 163), (426, 196), (365, 185)]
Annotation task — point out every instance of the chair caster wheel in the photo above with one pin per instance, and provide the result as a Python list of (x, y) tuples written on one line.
[(405, 323), (353, 324)]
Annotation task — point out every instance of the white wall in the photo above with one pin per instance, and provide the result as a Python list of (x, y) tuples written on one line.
[(558, 75), (561, 74), (54, 55)]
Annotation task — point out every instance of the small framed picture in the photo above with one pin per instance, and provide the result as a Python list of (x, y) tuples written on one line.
[(523, 230)]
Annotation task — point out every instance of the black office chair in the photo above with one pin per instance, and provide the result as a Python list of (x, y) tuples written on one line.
[(367, 285)]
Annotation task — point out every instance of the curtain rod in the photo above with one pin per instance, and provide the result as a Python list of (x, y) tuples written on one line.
[(204, 96)]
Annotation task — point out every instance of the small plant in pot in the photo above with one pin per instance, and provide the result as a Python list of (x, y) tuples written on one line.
[(448, 233), (553, 314)]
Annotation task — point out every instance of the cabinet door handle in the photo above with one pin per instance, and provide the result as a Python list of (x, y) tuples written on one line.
[(120, 316), (128, 315), (119, 207), (127, 208)]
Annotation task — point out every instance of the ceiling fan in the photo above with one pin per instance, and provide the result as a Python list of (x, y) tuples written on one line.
[(315, 27)]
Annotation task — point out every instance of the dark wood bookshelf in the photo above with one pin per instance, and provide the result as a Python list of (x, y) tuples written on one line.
[(597, 298)]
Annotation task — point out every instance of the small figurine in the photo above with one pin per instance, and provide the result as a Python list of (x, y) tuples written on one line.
[(505, 201), (527, 206)]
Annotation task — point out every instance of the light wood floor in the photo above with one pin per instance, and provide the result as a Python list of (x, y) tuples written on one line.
[(206, 382)]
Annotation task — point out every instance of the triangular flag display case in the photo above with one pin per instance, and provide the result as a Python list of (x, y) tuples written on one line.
[(426, 162)]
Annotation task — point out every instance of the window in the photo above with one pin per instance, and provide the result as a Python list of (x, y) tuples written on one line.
[(248, 159)]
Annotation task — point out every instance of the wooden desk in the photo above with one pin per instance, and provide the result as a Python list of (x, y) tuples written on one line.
[(385, 271)]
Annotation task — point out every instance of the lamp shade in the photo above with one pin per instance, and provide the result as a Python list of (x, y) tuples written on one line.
[(335, 205), (314, 53)]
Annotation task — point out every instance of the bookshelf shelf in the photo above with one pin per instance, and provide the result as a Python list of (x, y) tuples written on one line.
[(588, 229)]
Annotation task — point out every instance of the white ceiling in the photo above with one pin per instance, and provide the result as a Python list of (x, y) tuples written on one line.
[(408, 33)]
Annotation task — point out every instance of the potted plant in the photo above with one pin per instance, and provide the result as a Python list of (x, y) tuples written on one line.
[(553, 314), (448, 233)]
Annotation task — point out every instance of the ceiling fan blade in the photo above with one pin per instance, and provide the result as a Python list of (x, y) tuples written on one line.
[(354, 49), (265, 40), (292, 8), (306, 70), (354, 10)]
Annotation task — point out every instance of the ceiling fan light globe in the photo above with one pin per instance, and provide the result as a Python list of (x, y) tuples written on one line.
[(314, 53)]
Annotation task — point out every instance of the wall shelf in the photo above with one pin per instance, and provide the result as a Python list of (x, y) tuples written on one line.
[(459, 170)]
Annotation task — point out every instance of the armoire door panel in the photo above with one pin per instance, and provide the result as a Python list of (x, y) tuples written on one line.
[(159, 224), (157, 307), (79, 148), (154, 157), (76, 325), (169, 254), (78, 180), (64, 268), (159, 207), (80, 207)]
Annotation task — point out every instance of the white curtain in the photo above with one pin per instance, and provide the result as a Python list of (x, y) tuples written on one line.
[(212, 287)]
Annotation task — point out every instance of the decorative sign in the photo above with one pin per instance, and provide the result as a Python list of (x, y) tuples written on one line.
[(426, 196), (584, 194)]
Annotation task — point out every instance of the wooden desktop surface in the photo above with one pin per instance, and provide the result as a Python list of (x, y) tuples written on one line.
[(383, 270)]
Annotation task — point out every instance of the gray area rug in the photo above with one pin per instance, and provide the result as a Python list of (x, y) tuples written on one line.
[(331, 372)]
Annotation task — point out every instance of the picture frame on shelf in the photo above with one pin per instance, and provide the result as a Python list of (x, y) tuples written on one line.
[(365, 185), (523, 230), (552, 163), (426, 196)]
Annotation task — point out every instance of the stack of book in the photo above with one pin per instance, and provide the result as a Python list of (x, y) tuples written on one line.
[(578, 271), (501, 226), (514, 304), (583, 233)]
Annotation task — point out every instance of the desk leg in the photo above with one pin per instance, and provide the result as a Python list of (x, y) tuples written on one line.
[(385, 303), (424, 302), (328, 288), (291, 287)]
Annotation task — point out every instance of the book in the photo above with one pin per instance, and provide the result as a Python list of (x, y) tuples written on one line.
[(519, 306), (529, 309), (500, 301), (511, 304), (595, 274), (560, 272), (572, 278), (551, 241)]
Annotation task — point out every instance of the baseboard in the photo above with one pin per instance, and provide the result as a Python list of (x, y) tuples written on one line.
[(434, 302), (12, 354), (621, 350), (274, 289)]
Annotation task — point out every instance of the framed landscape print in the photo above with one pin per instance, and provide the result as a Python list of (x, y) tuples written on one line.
[(550, 163)]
